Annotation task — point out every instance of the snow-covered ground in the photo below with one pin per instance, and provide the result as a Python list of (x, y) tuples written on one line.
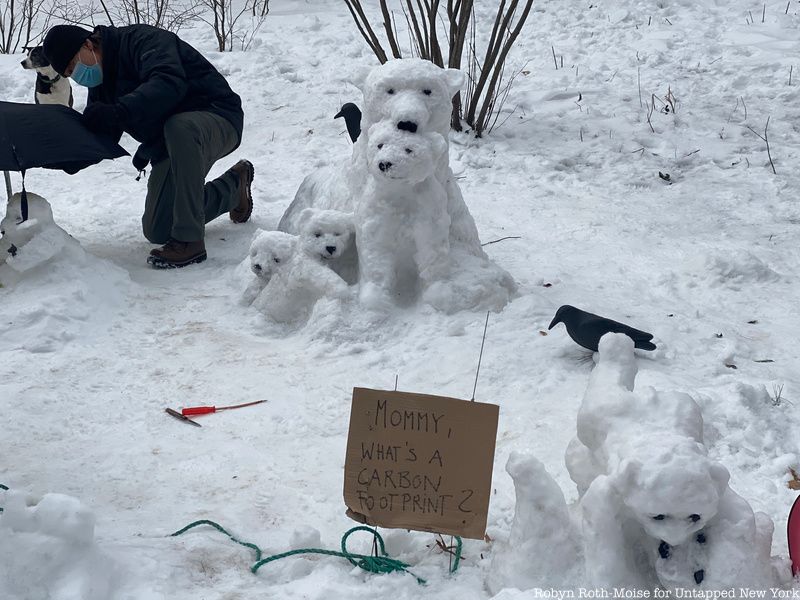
[(708, 262)]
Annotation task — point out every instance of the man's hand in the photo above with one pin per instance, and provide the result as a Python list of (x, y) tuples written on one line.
[(105, 118)]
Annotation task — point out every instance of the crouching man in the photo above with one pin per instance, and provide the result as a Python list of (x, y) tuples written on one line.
[(154, 86)]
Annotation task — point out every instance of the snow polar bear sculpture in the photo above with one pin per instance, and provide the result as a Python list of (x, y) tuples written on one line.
[(542, 549), (298, 279), (330, 235), (411, 98), (268, 252), (28, 244), (656, 509), (401, 216)]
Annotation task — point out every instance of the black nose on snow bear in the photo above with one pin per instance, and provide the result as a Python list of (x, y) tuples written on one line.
[(407, 126), (330, 249), (384, 166)]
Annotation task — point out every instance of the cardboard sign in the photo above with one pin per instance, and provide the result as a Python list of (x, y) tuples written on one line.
[(421, 462)]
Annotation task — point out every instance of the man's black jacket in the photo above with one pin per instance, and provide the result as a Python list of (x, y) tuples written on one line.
[(154, 74)]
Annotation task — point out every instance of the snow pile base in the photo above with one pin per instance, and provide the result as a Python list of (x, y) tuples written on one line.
[(47, 550), (57, 286)]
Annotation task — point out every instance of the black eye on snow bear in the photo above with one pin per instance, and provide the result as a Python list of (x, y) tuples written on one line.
[(659, 517), (257, 267), (409, 151), (317, 234), (695, 518), (380, 146), (426, 92), (277, 260), (390, 91)]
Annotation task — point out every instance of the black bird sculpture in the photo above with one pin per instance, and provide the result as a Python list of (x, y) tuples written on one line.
[(586, 329), (352, 118)]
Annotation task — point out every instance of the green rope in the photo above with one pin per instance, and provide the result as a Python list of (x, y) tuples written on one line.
[(373, 564), (220, 529), (457, 558)]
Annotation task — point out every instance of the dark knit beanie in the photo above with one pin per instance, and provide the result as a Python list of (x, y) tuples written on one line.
[(62, 43)]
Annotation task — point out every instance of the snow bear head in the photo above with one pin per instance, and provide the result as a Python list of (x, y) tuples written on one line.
[(674, 492), (14, 231), (412, 94), (397, 155), (326, 233), (270, 251)]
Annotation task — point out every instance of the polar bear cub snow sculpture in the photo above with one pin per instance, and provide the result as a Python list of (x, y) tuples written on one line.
[(656, 509), (330, 235), (297, 278)]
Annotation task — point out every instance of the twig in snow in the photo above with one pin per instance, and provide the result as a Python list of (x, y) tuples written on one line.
[(765, 137), (508, 237), (555, 62)]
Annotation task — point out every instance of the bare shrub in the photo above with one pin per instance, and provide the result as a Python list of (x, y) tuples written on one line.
[(21, 24), (234, 29), (487, 84)]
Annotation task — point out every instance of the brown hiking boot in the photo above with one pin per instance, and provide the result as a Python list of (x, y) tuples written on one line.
[(244, 169), (175, 254)]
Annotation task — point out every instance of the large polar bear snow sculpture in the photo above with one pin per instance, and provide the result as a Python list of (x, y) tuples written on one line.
[(407, 99), (656, 509)]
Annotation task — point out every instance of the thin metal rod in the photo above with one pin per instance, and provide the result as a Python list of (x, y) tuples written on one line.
[(480, 358)]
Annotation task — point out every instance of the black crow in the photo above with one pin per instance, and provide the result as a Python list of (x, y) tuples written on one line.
[(586, 329), (352, 118)]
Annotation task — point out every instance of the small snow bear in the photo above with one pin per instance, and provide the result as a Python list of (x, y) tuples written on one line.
[(401, 219), (330, 235), (28, 244), (656, 509), (297, 282)]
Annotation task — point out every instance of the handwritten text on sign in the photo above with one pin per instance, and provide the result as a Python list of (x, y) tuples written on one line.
[(422, 462)]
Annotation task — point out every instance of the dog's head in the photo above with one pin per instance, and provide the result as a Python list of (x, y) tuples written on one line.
[(37, 61), (326, 233)]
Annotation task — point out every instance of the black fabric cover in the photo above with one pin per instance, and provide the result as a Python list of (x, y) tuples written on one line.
[(50, 136)]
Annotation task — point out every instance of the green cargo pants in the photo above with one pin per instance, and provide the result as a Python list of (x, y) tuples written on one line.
[(179, 202)]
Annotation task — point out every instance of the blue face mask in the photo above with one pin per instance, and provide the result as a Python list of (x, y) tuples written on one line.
[(86, 75)]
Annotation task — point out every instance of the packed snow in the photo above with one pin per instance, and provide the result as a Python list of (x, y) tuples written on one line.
[(95, 344)]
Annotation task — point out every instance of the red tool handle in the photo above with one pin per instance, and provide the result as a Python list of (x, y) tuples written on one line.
[(198, 410)]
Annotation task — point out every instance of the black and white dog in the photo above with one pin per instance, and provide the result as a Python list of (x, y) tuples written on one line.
[(51, 88)]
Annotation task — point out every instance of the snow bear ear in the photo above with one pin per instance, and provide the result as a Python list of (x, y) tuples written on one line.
[(720, 475), (627, 474), (359, 77), (454, 80), (304, 218)]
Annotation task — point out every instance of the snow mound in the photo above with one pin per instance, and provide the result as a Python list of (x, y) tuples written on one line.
[(58, 288), (47, 550)]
